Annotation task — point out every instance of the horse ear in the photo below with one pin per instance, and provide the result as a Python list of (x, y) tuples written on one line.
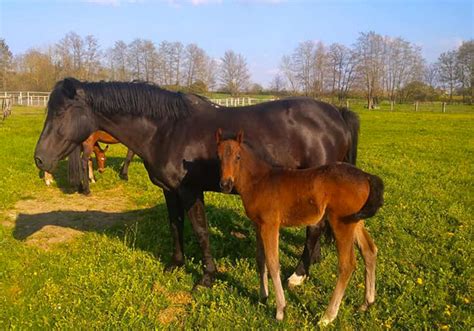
[(218, 135), (69, 87), (240, 136)]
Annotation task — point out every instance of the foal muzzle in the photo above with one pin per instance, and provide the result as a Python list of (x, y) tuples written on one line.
[(226, 185)]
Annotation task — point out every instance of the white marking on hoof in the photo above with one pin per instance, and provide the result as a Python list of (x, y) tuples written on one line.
[(295, 280), (279, 315), (325, 321)]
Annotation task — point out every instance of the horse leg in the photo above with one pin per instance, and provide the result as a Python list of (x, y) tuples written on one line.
[(344, 234), (368, 251), (124, 169), (193, 203), (262, 268), (176, 219), (311, 253), (269, 234)]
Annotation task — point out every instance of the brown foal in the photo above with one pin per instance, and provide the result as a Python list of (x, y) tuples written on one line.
[(91, 145), (281, 197)]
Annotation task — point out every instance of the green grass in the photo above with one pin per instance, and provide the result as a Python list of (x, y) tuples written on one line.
[(115, 278)]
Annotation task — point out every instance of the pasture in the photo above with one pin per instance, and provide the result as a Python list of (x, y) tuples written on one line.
[(68, 261)]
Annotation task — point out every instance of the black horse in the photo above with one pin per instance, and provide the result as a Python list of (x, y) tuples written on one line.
[(172, 133)]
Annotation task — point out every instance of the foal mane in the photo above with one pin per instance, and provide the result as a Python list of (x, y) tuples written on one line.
[(135, 98)]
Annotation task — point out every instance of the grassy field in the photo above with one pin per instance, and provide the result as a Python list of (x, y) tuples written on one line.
[(68, 261)]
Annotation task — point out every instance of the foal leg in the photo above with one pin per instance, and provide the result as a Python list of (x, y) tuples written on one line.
[(176, 219), (48, 178), (344, 234), (270, 235), (369, 253), (311, 253), (124, 169), (262, 268), (90, 170)]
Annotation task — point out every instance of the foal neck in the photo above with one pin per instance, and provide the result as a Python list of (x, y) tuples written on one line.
[(252, 170)]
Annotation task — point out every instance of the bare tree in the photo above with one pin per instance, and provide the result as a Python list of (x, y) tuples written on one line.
[(194, 64), (341, 64), (465, 68), (303, 65), (91, 57), (277, 85), (233, 74), (118, 59), (370, 50), (431, 74), (6, 58), (448, 74), (289, 72)]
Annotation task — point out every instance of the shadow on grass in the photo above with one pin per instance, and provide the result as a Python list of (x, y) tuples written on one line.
[(231, 235)]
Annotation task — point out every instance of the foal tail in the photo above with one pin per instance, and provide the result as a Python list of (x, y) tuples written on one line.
[(374, 201), (352, 122)]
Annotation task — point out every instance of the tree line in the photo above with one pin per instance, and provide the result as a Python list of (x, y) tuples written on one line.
[(374, 67)]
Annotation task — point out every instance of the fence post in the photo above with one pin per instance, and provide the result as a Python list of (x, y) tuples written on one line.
[(416, 106), (391, 105), (444, 107), (347, 104)]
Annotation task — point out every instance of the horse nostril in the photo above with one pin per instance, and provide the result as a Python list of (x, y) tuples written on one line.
[(39, 162)]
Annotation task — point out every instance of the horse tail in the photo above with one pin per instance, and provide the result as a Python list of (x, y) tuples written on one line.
[(353, 123), (374, 201)]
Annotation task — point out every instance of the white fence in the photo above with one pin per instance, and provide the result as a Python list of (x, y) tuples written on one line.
[(30, 98), (235, 102), (27, 98)]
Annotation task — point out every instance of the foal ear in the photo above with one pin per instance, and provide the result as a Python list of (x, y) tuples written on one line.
[(240, 136), (218, 135)]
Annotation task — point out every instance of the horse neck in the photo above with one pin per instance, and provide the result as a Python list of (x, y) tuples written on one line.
[(132, 131), (252, 170)]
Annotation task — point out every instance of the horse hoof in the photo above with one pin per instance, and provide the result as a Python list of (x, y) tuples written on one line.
[(280, 315), (325, 321), (365, 306), (264, 300), (124, 177), (296, 280), (173, 266), (206, 281)]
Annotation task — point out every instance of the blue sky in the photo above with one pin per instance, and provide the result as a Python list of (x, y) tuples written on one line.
[(261, 30)]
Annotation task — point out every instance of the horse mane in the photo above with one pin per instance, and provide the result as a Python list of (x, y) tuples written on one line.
[(135, 98)]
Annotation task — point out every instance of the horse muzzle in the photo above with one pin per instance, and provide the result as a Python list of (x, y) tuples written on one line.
[(44, 164), (226, 185)]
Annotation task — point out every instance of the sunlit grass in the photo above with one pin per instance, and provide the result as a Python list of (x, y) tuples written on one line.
[(115, 278)]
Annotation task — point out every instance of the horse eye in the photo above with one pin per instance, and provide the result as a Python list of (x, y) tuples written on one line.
[(238, 157)]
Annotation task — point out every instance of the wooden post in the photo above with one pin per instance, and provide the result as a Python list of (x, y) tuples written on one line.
[(444, 107), (347, 103), (391, 105), (416, 106)]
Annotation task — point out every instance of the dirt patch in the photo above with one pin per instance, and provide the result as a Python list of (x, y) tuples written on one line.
[(54, 217)]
